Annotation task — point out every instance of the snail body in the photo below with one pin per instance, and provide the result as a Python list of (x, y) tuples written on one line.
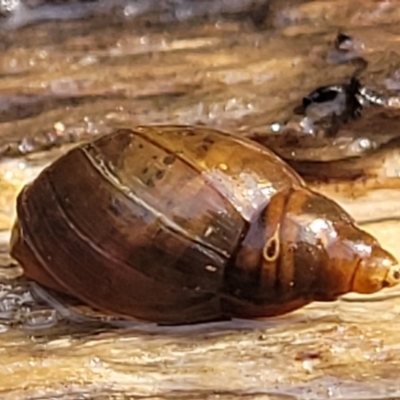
[(180, 224)]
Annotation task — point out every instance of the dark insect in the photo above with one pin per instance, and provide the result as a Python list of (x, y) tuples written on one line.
[(342, 102), (179, 224), (327, 108)]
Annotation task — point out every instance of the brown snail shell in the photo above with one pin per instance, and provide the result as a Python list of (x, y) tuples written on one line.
[(180, 224)]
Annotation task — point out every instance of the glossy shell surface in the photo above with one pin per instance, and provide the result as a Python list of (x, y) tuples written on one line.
[(144, 223)]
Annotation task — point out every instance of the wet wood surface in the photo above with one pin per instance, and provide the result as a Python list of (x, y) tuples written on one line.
[(239, 66)]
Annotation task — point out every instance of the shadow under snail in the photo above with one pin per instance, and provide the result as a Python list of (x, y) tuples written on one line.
[(180, 224)]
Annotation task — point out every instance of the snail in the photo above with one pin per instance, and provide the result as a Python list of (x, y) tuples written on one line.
[(187, 224)]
